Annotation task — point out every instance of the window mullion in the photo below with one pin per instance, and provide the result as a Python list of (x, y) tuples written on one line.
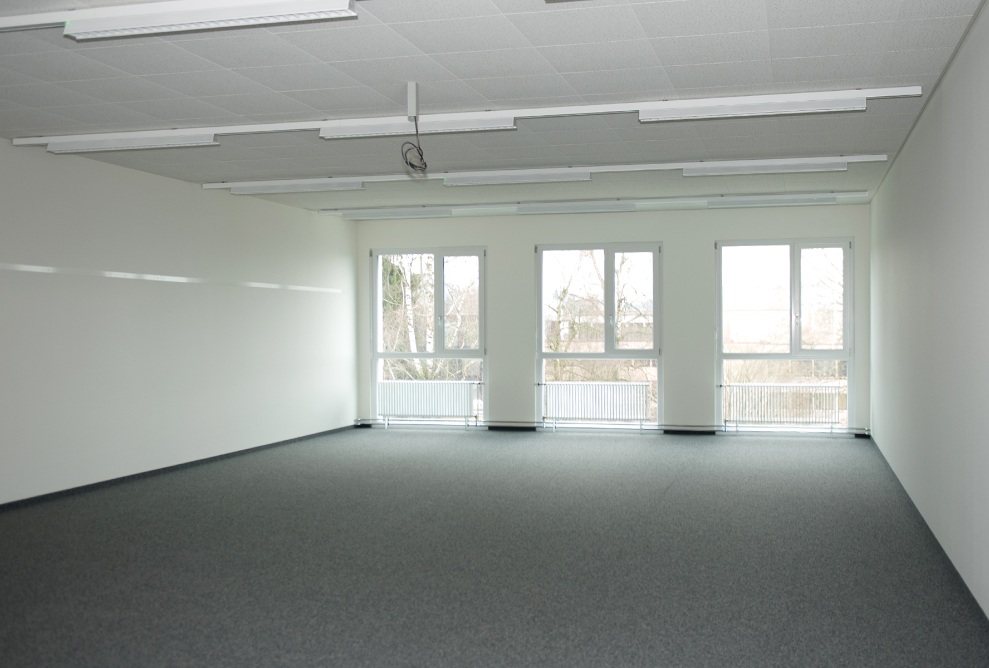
[(610, 305), (795, 312), (439, 304)]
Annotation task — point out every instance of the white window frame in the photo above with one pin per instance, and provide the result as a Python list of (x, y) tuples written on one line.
[(797, 352), (610, 351), (439, 326)]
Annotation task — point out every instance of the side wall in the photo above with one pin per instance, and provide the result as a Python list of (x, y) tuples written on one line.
[(931, 313), (688, 299), (102, 377)]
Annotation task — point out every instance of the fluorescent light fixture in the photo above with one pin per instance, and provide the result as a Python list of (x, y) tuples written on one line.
[(189, 15), (399, 125), (598, 206), (81, 145), (754, 105), (519, 176), (577, 206), (771, 166), (297, 186), (394, 212), (505, 119), (783, 199)]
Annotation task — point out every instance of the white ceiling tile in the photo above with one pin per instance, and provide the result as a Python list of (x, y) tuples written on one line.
[(34, 122), (720, 48), (521, 62), (744, 73), (54, 66), (44, 96), (124, 89), (175, 111), (856, 38), (510, 88), (21, 43), (701, 17), (566, 137), (618, 55), (254, 105), (790, 14), (931, 9), (354, 101), (486, 33), (581, 25), (823, 68), (927, 33), (508, 138), (198, 84), (919, 62), (108, 117), (255, 49), (429, 10), (152, 57), (8, 78), (528, 6), (298, 77), (352, 43), (400, 69), (651, 82)]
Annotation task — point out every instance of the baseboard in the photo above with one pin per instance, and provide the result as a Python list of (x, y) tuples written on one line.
[(72, 491), (505, 427), (690, 432)]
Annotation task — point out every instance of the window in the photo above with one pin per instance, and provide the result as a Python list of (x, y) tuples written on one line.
[(785, 332), (599, 350), (429, 343)]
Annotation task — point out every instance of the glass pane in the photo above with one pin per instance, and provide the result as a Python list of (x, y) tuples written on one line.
[(462, 302), (577, 390), (431, 368), (407, 303), (822, 293), (573, 301), (634, 301), (755, 289), (786, 393)]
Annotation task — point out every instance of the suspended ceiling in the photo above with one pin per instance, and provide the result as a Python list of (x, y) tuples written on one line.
[(475, 55)]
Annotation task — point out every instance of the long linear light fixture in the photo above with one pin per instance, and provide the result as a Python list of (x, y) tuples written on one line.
[(550, 175), (669, 110), (774, 166), (754, 105), (603, 205), (179, 16), (130, 143)]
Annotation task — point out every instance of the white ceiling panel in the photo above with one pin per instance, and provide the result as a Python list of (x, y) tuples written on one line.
[(580, 25), (487, 33), (677, 18), (717, 48), (150, 57), (298, 77), (616, 55), (650, 83), (854, 38), (480, 55)]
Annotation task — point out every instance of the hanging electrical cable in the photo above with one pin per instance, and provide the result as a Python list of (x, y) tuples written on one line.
[(412, 152)]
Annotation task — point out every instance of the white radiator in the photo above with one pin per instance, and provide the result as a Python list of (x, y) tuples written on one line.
[(782, 404), (596, 402), (427, 398)]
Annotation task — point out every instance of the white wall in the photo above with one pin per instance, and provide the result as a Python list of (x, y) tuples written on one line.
[(689, 351), (930, 369), (104, 377)]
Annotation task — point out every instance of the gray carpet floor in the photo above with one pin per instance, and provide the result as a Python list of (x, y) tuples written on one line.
[(472, 548)]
